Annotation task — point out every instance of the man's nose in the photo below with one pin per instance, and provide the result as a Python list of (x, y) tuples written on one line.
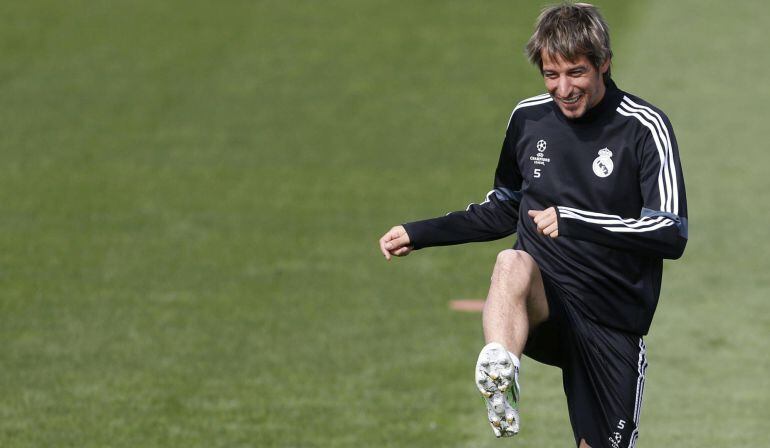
[(564, 87)]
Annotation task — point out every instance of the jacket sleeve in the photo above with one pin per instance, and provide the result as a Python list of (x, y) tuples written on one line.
[(494, 218), (660, 230)]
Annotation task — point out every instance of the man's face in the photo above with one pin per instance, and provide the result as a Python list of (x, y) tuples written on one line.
[(575, 86)]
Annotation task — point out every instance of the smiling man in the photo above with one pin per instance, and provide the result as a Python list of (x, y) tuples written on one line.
[(590, 180), (576, 86)]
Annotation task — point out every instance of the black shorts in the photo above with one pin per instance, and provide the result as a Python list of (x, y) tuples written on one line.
[(602, 370)]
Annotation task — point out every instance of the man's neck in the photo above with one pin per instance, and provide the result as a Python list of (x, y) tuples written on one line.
[(600, 96)]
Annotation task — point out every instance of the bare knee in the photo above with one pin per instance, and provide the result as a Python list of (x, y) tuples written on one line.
[(516, 272), (514, 263)]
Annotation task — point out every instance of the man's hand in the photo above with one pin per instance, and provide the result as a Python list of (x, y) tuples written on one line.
[(395, 243), (546, 220)]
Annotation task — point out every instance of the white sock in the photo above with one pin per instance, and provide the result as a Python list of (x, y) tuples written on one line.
[(516, 361)]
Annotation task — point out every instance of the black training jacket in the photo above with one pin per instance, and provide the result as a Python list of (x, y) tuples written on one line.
[(615, 179)]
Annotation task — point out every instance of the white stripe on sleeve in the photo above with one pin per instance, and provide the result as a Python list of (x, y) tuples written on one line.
[(615, 223), (667, 182), (535, 100)]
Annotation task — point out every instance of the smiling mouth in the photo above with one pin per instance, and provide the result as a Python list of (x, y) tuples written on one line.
[(571, 100)]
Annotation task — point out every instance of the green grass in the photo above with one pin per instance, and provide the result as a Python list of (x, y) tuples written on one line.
[(192, 193)]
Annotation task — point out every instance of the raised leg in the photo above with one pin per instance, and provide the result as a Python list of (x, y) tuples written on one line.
[(516, 301)]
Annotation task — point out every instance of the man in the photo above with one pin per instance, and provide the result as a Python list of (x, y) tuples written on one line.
[(589, 178)]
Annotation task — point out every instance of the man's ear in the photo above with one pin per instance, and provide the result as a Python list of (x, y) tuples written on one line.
[(604, 67)]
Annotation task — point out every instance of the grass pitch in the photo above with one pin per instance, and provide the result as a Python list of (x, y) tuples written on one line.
[(192, 193)]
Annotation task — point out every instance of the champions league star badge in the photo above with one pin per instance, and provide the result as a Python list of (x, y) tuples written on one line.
[(603, 164)]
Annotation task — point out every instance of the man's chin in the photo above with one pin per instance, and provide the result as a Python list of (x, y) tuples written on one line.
[(573, 113)]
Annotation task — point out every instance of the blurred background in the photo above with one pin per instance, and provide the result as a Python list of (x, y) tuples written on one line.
[(191, 195)]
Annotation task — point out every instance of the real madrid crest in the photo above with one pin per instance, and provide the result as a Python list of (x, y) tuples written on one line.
[(603, 164)]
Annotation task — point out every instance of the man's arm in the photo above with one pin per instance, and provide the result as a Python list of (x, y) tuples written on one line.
[(661, 228), (494, 218)]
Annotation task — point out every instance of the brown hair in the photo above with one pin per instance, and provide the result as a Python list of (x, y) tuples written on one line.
[(571, 30)]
